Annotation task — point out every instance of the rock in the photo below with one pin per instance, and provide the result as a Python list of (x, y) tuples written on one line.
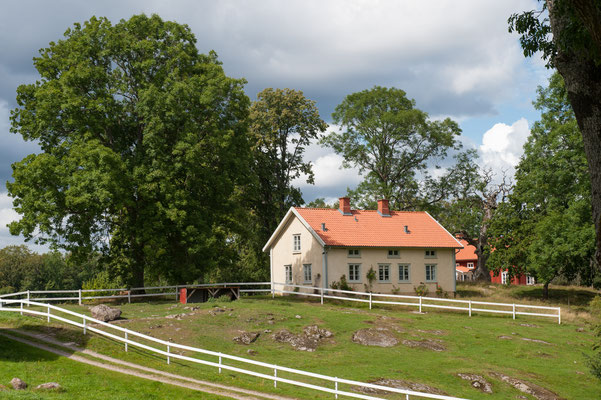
[(219, 310), (535, 340), (505, 337), (105, 313), (530, 325), (267, 331), (297, 316), (428, 344), (477, 382), (380, 337), (251, 352), (49, 386), (399, 384), (18, 384), (436, 332), (315, 332), (523, 386), (307, 341), (246, 337), (580, 329)]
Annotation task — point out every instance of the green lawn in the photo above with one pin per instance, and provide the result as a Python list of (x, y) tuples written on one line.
[(472, 345), (79, 381)]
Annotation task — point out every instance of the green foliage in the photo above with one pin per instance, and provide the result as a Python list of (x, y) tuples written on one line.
[(421, 289), (341, 285), (221, 299), (393, 144), (371, 278), (102, 280), (143, 141), (594, 359), (546, 225), (320, 202)]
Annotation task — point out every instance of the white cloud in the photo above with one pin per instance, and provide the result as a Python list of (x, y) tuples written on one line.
[(502, 146)]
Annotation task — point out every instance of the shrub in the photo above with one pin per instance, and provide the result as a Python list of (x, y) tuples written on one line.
[(221, 299), (342, 284), (597, 282), (594, 360), (371, 278), (421, 290), (101, 280), (395, 290)]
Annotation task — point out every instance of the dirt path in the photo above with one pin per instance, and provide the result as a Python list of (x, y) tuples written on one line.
[(128, 368)]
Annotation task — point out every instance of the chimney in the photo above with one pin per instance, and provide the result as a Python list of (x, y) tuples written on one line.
[(344, 205), (383, 208)]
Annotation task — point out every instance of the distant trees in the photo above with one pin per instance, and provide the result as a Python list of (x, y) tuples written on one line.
[(545, 228)]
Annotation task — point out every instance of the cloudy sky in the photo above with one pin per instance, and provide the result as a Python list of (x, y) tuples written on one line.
[(455, 58)]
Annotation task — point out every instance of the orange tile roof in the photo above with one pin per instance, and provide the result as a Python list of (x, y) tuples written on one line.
[(468, 252), (462, 269), (367, 228)]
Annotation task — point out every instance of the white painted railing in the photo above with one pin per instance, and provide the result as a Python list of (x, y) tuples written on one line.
[(273, 370), (419, 302)]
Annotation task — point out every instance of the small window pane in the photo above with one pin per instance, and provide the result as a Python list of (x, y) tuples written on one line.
[(353, 272), (296, 242), (354, 253), (430, 273), (383, 273), (307, 272), (404, 272), (288, 273)]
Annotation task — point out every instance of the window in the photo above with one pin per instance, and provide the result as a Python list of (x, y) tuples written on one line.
[(456, 264), (530, 280), (430, 272), (504, 277), (470, 265), (430, 253), (393, 254), (307, 273), (403, 272), (296, 242), (288, 269), (354, 272), (384, 273), (354, 253)]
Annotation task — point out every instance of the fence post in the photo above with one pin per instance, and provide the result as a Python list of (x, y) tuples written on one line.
[(369, 308), (84, 326), (275, 374), (176, 293), (321, 291), (559, 315), (514, 311), (28, 298), (272, 293), (79, 292), (406, 397), (336, 386), (21, 308), (420, 304), (168, 358), (126, 342), (129, 296), (470, 308), (48, 313), (219, 362)]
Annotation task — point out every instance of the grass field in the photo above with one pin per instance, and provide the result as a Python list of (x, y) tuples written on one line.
[(534, 349)]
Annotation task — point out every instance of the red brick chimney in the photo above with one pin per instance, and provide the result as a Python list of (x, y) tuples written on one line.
[(344, 205), (383, 208)]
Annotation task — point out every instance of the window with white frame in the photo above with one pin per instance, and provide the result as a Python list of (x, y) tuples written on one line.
[(430, 272), (470, 265), (384, 272), (504, 277), (354, 272), (288, 270), (354, 253), (307, 273), (530, 280), (457, 264), (430, 253), (393, 253), (296, 243), (404, 273)]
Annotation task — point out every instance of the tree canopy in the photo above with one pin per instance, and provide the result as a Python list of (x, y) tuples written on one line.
[(143, 139)]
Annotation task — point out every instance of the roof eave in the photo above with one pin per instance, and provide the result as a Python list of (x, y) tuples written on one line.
[(292, 211)]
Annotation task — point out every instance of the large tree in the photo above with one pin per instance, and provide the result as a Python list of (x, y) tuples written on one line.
[(568, 33), (546, 228), (393, 144), (143, 140)]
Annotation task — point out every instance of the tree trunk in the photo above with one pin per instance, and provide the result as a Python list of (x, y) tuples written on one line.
[(546, 290), (583, 83)]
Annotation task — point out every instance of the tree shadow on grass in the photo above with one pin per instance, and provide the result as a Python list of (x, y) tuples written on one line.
[(565, 296)]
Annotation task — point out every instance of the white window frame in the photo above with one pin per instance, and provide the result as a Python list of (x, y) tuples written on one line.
[(504, 277), (432, 268), (357, 272), (288, 273), (307, 273), (470, 265), (408, 268), (296, 243), (530, 280), (397, 255), (356, 253), (381, 269), (430, 253)]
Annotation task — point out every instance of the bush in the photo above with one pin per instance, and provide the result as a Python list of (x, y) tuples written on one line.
[(421, 290), (597, 282), (342, 284), (221, 299), (101, 280)]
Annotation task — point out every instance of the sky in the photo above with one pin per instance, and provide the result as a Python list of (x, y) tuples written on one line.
[(455, 58)]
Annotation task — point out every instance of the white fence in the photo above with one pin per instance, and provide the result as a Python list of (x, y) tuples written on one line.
[(271, 372), (468, 306)]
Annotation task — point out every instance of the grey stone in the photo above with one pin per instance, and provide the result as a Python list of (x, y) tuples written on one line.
[(18, 384), (380, 337), (246, 337), (105, 313), (477, 382), (49, 386)]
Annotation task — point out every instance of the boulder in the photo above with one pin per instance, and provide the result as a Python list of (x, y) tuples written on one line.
[(246, 337), (18, 384), (399, 384), (434, 345), (477, 382), (105, 313), (380, 337), (307, 341), (538, 392), (49, 386)]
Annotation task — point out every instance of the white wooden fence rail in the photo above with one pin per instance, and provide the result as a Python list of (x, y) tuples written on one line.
[(169, 354)]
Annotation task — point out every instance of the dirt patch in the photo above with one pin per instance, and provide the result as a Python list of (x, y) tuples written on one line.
[(477, 382), (540, 393), (530, 325), (219, 311), (399, 384), (434, 345), (381, 337), (307, 341)]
